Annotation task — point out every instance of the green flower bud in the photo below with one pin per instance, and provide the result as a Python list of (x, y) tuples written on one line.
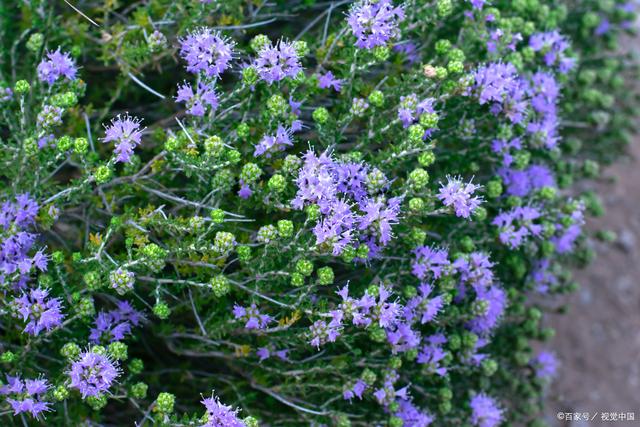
[(217, 216), (22, 87), (277, 105), (443, 46), (444, 8), (285, 228), (297, 279), (164, 403), (81, 145), (267, 234), (376, 98), (348, 254), (85, 307), (416, 205), (489, 367), (342, 421), (102, 174), (70, 350), (377, 334), (301, 47), (259, 42), (393, 420), (244, 253), (35, 42), (97, 402), (243, 130), (60, 393), (320, 115), (213, 146), (416, 132), (250, 172), (325, 275), (362, 252), (219, 285), (162, 310), (138, 390), (441, 73), (93, 280), (419, 178), (304, 267), (376, 180), (118, 350), (277, 183), (455, 67), (429, 120), (445, 393), (427, 158), (250, 422), (136, 366), (7, 357), (291, 164), (313, 212), (250, 76), (494, 188), (381, 53)]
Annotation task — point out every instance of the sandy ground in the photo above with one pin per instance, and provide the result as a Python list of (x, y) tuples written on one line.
[(598, 341)]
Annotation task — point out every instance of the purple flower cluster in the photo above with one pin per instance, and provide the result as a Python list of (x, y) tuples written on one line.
[(276, 62), (522, 182), (15, 218), (114, 325), (374, 23), (413, 416), (251, 316), (545, 364), (410, 109), (92, 374), (518, 224), (41, 312), (499, 85), (355, 390), (198, 100), (26, 396), (265, 353), (458, 195), (350, 213), (432, 354), (219, 414), (56, 65), (544, 91), (554, 45), (485, 411), (206, 51), (127, 135), (566, 236), (272, 143), (328, 80)]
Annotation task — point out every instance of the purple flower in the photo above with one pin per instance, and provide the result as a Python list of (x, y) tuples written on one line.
[(57, 65), (410, 109), (522, 182), (49, 117), (485, 411), (121, 280), (328, 80), (499, 85), (475, 270), (207, 51), (422, 306), (274, 63), (127, 135), (517, 224), (565, 238), (379, 216), (197, 101), (41, 312), (432, 354), (322, 333), (430, 260), (252, 316), (409, 49), (271, 143), (545, 364), (496, 301), (460, 196), (554, 45), (220, 415), (92, 374), (355, 390), (374, 23), (412, 416), (26, 396), (107, 329), (477, 4)]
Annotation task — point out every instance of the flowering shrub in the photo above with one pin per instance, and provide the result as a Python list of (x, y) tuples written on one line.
[(237, 213)]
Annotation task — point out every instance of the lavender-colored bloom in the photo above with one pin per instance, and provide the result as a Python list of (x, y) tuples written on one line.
[(125, 132), (459, 195), (92, 374), (251, 316), (108, 329), (374, 23), (422, 306), (518, 224), (485, 411), (402, 338), (496, 301), (220, 415), (206, 51), (275, 63), (56, 65), (477, 4), (545, 364), (355, 390), (41, 312), (432, 354), (409, 49), (245, 191), (379, 216), (499, 85), (272, 143), (121, 280), (565, 241), (410, 109), (26, 396), (430, 261), (554, 46), (322, 333), (315, 182), (475, 270), (49, 117), (197, 101), (328, 80), (411, 416), (6, 94), (522, 182)]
